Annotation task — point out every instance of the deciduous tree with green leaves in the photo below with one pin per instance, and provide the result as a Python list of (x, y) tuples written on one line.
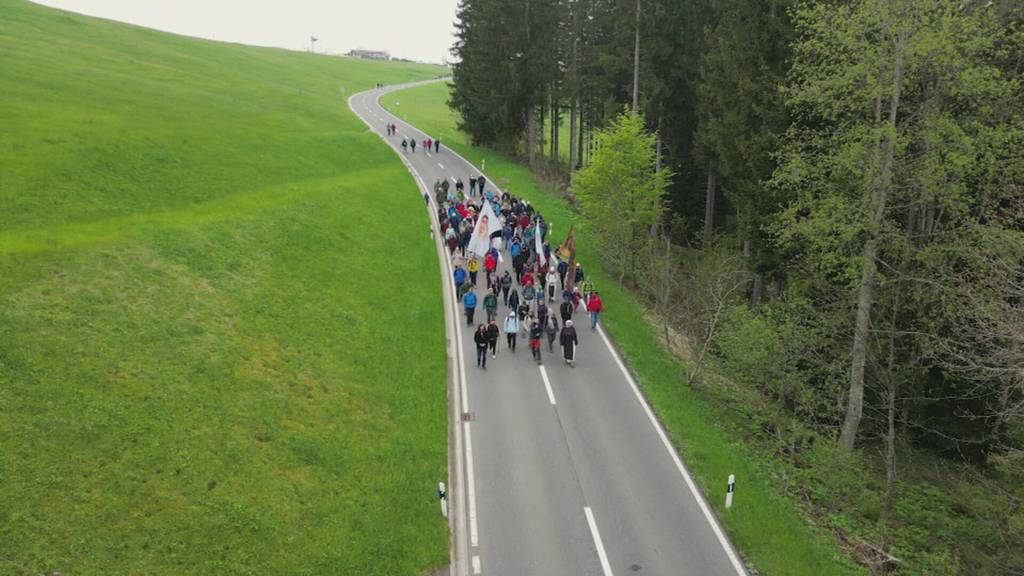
[(622, 194)]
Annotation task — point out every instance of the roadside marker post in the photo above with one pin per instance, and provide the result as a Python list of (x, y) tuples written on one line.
[(729, 489), (442, 495)]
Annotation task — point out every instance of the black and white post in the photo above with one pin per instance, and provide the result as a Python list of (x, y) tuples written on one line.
[(729, 489), (442, 495)]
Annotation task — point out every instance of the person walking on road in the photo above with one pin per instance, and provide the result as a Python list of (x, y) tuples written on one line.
[(506, 284), (493, 333), (481, 339), (513, 300), (536, 334), (551, 327), (480, 183), (405, 145), (459, 275), (511, 330), (472, 186), (565, 311), (437, 145), (569, 341), (474, 267), (595, 306), (469, 302), (412, 144), (491, 305), (552, 283), (490, 265)]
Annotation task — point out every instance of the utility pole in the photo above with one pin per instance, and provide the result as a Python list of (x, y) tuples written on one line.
[(636, 61)]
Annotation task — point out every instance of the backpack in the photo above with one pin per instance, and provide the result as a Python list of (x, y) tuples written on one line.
[(528, 293)]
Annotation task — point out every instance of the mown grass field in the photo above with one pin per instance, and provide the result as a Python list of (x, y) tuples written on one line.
[(205, 364), (766, 527)]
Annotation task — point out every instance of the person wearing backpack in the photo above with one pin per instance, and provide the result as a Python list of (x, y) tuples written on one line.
[(491, 305), (513, 299), (506, 285), (492, 337), (551, 327), (469, 303)]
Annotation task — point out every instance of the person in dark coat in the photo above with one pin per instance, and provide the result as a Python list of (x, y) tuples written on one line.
[(513, 299), (551, 327), (569, 341), (565, 311), (493, 333), (482, 341)]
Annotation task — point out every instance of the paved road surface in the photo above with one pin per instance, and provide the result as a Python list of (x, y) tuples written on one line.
[(565, 470)]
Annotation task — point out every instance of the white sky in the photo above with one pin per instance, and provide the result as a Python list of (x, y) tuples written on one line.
[(414, 29)]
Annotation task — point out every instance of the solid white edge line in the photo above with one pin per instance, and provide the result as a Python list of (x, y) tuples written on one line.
[(476, 564), (605, 566), (675, 458), (547, 385)]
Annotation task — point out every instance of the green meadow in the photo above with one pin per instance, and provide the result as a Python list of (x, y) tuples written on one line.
[(766, 527), (206, 363)]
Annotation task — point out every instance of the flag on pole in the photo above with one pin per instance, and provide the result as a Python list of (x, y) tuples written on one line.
[(539, 247), (487, 226), (570, 247)]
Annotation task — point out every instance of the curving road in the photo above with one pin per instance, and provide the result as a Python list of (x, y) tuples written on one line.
[(556, 470)]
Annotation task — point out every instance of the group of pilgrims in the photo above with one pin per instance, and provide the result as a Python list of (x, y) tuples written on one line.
[(540, 294)]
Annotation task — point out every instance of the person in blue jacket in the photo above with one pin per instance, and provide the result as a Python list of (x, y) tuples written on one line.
[(511, 330), (469, 302)]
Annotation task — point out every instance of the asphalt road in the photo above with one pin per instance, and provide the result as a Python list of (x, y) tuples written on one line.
[(560, 470)]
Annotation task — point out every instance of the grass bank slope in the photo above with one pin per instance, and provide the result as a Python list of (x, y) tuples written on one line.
[(767, 528), (204, 368)]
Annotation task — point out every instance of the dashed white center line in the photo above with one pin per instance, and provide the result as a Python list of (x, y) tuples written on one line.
[(605, 566), (441, 165), (547, 385), (476, 564)]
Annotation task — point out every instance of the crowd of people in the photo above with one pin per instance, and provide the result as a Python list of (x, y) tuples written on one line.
[(531, 291), (519, 278)]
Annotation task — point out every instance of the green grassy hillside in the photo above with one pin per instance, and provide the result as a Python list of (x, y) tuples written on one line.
[(204, 368)]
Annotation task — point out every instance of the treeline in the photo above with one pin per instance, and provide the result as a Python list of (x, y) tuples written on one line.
[(845, 203)]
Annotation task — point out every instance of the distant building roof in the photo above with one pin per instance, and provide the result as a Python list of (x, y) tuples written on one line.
[(369, 54)]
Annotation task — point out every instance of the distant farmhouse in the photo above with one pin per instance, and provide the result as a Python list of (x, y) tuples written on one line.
[(369, 54)]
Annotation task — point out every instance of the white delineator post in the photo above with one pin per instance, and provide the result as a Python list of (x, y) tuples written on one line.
[(729, 489), (443, 496)]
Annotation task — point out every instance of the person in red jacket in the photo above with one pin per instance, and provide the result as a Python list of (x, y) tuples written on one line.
[(595, 306), (490, 265)]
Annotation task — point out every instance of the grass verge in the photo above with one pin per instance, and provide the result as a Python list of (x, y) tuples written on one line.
[(768, 529), (201, 370)]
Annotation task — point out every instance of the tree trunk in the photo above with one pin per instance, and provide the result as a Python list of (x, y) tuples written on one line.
[(758, 290), (866, 291), (572, 135), (709, 205), (531, 136), (636, 61)]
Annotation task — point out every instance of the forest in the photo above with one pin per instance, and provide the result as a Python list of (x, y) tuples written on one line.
[(821, 202)]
